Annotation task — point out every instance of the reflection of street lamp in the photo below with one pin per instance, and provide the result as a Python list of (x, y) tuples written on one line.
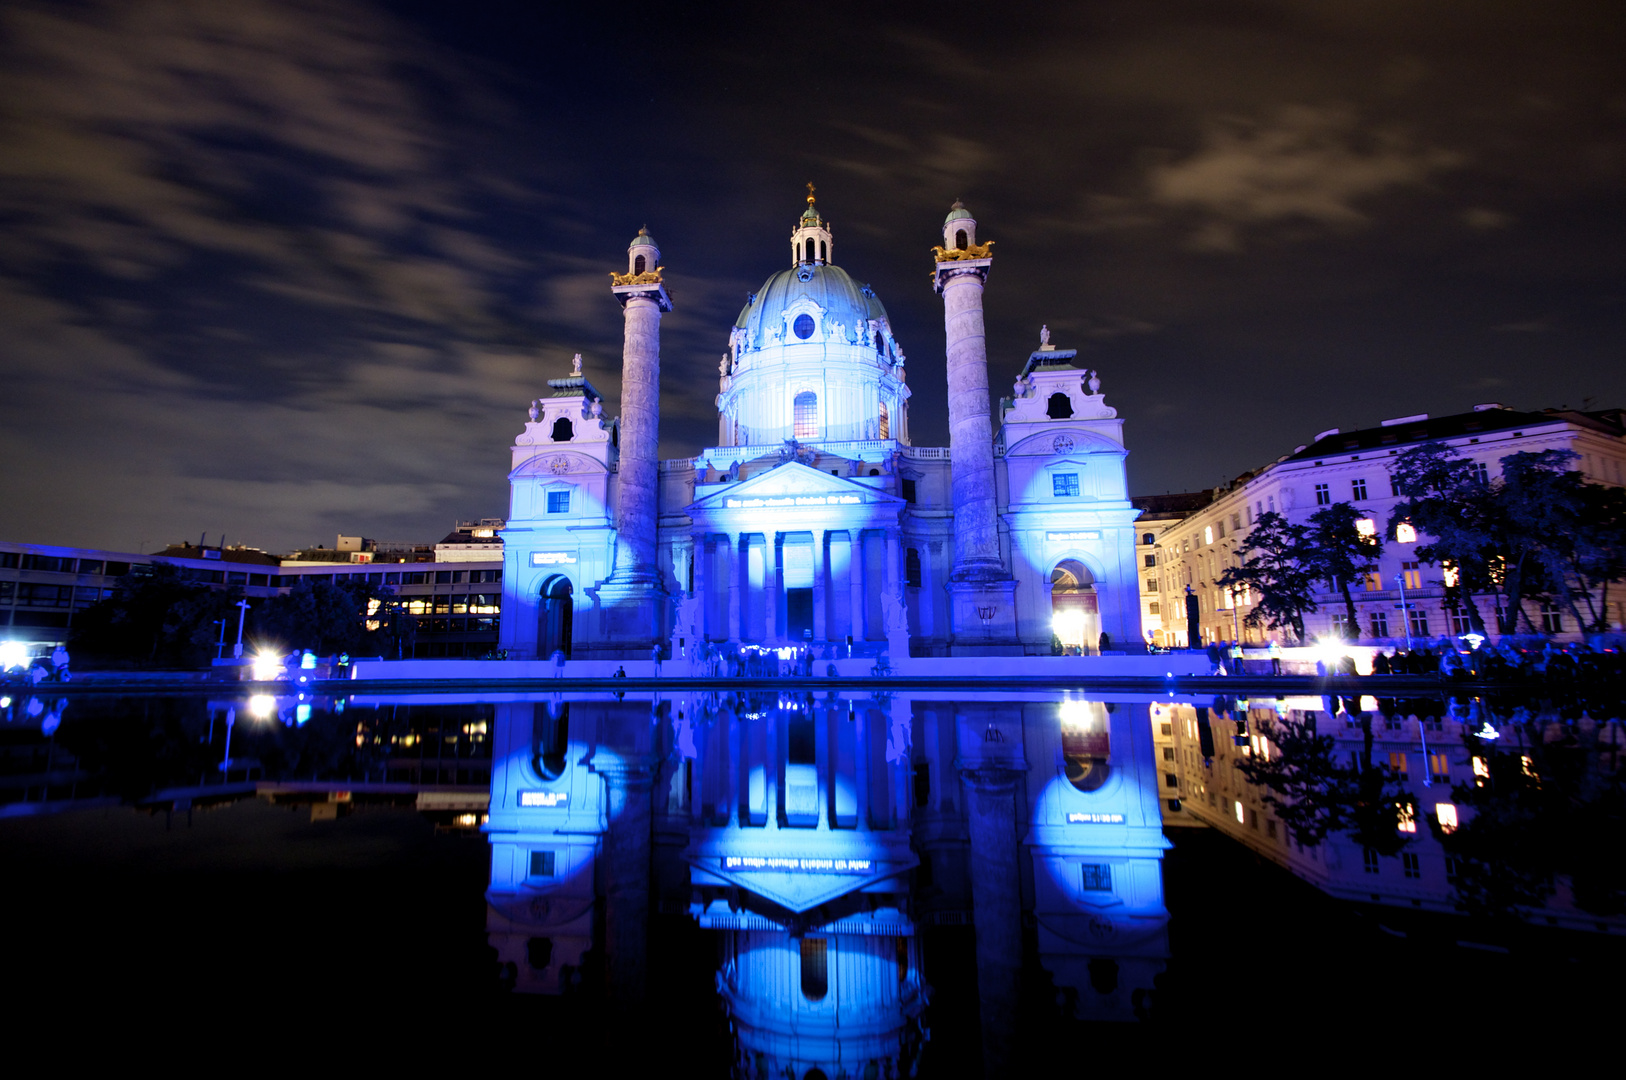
[(986, 614), (1236, 603)]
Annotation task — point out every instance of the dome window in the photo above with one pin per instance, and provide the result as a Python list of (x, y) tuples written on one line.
[(885, 423), (803, 326), (805, 413), (810, 249)]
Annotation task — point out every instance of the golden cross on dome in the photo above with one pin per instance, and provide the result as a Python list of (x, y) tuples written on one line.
[(810, 193)]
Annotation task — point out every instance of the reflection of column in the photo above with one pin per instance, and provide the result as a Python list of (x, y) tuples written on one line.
[(626, 905), (702, 556), (996, 902)]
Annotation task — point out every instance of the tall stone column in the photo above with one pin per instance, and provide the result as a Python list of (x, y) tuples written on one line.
[(632, 598), (991, 781), (983, 610), (626, 902)]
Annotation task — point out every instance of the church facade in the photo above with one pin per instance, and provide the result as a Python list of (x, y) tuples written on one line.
[(815, 520)]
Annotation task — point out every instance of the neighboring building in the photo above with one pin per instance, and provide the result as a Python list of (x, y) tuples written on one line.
[(1427, 750), (42, 587), (1156, 512), (1353, 467), (815, 521), (472, 541)]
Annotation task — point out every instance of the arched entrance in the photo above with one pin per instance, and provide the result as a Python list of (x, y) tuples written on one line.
[(1074, 612), (553, 629)]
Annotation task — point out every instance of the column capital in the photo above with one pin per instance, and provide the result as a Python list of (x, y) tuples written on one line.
[(653, 292), (949, 270)]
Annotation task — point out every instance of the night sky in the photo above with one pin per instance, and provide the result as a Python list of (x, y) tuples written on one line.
[(282, 270)]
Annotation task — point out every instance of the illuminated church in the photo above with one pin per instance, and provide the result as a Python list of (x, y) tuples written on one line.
[(814, 520)]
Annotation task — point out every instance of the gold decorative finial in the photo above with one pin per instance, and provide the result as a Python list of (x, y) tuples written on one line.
[(810, 193)]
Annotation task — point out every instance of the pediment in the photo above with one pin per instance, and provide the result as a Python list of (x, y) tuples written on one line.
[(791, 485), (559, 463), (1066, 442)]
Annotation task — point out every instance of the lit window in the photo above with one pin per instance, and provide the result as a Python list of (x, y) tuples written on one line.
[(885, 422), (1407, 821), (1241, 814), (558, 502), (1366, 527), (1374, 581), (805, 414), (1481, 767), (1405, 533), (1414, 574), (1439, 768), (1064, 484), (1446, 814), (1449, 576), (1397, 762), (1208, 534)]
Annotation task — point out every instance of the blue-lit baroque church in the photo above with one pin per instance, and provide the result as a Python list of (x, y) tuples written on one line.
[(820, 835), (814, 521)]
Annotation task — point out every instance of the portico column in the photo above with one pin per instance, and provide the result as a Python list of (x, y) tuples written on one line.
[(770, 581), (894, 551), (821, 584), (738, 566), (855, 580)]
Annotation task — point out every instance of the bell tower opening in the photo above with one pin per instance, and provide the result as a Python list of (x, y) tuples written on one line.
[(638, 264), (959, 239)]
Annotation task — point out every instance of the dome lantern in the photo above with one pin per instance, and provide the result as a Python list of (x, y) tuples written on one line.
[(811, 243)]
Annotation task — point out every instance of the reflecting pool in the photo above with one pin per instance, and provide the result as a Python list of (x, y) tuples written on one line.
[(813, 884)]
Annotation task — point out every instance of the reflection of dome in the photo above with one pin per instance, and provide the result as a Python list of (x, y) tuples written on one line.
[(842, 299)]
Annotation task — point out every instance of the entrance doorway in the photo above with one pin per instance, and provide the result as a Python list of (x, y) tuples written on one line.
[(799, 614), (553, 629), (1075, 617)]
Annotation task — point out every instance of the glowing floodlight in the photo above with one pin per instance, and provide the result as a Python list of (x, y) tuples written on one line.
[(1487, 732), (1474, 640), (13, 654), (261, 706), (266, 666)]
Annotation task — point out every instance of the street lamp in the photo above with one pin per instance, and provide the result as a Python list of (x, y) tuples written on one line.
[(1405, 608), (242, 613), (986, 614)]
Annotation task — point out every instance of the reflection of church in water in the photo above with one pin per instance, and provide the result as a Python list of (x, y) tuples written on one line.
[(814, 519), (822, 836)]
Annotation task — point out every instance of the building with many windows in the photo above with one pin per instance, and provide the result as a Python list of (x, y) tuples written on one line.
[(1191, 552), (815, 520), (42, 587)]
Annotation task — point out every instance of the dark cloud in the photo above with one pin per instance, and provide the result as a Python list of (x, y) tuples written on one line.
[(289, 269)]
